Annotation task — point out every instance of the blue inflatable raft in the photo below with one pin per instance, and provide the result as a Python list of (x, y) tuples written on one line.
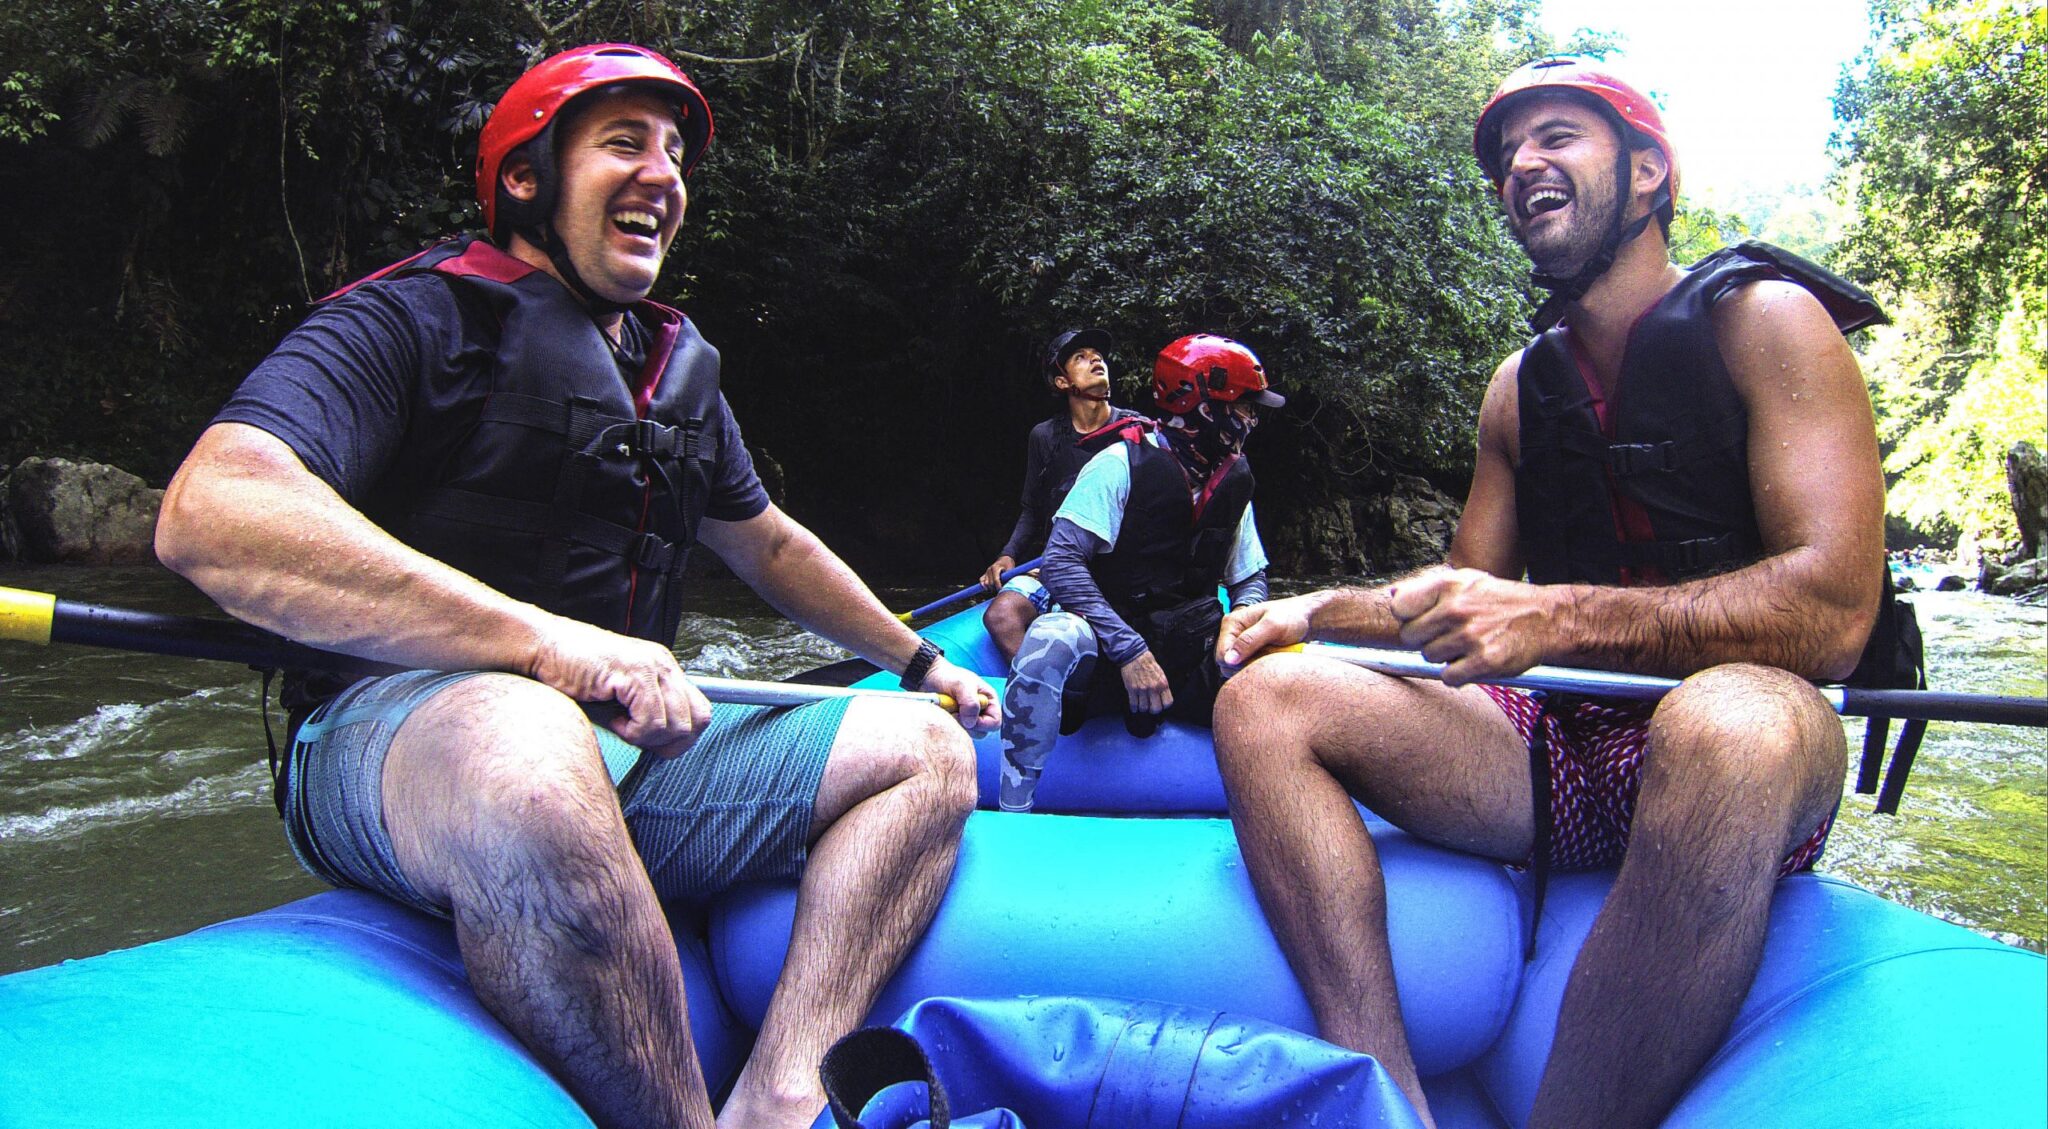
[(345, 1010)]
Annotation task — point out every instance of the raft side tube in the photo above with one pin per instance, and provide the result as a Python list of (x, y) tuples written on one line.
[(342, 1009), (1160, 909), (1862, 1013)]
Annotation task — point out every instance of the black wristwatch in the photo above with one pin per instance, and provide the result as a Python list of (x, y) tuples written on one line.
[(928, 653)]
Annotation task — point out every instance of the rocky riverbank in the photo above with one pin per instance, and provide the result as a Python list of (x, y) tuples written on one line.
[(55, 511)]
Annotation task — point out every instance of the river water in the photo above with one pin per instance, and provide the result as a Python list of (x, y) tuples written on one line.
[(135, 801)]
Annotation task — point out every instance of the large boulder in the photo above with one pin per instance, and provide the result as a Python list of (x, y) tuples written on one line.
[(1413, 522), (1314, 539), (2026, 478), (2026, 567), (1407, 524), (2013, 579), (56, 510)]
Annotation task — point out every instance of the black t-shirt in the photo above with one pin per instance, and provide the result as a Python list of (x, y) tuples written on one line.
[(376, 390)]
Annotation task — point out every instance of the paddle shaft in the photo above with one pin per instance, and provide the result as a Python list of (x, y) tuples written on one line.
[(1926, 705), (36, 617), (965, 593)]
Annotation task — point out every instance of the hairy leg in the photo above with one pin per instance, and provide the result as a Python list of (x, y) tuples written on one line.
[(1058, 648), (498, 804), (1007, 617), (1743, 762), (1297, 738), (897, 788)]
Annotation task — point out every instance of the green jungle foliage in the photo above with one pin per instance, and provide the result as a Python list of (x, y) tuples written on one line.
[(1944, 143), (903, 202), (1944, 158)]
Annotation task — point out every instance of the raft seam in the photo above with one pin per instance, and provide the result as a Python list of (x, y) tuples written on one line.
[(455, 967)]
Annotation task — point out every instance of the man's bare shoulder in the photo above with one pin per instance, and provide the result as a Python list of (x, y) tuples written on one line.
[(1771, 316), (1497, 413), (1776, 337)]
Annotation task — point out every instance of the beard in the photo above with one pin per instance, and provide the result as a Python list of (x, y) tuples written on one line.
[(1561, 249)]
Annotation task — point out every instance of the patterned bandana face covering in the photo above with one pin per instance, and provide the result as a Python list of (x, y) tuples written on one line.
[(1201, 441)]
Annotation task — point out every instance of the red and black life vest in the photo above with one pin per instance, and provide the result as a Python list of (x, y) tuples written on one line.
[(1665, 496), (572, 490), (1175, 539), (1056, 477), (1161, 577)]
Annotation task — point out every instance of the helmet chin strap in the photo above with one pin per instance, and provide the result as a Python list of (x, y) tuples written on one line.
[(558, 253), (1565, 291)]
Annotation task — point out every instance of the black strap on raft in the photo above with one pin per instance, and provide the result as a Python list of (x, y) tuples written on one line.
[(1894, 659), (1899, 666), (269, 738), (870, 1060), (1540, 814)]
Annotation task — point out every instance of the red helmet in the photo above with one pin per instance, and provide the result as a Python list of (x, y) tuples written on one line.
[(528, 110), (1631, 106), (1202, 367)]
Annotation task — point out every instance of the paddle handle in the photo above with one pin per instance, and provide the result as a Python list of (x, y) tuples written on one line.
[(737, 692), (1940, 705), (41, 618), (1926, 705), (965, 593)]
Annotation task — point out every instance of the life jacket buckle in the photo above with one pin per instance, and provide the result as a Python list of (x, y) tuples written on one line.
[(1702, 551), (650, 552), (649, 438), (1636, 458)]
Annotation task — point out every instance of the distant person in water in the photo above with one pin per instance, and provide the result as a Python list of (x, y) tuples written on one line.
[(1157, 520), (490, 461), (1077, 372), (1679, 477)]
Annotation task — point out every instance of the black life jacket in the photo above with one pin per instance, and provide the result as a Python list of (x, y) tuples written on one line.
[(1056, 477), (1161, 577), (1679, 458), (571, 491), (1173, 544)]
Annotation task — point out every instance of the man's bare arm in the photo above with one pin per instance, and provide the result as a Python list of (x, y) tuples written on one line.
[(1806, 607), (275, 546), (1485, 539), (804, 580)]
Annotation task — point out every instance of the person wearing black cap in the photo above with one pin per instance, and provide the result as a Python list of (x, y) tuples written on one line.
[(1155, 523), (1077, 371)]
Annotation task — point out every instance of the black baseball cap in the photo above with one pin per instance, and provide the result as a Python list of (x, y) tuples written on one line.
[(1071, 342)]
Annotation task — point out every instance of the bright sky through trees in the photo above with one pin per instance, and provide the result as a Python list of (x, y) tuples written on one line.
[(1746, 85)]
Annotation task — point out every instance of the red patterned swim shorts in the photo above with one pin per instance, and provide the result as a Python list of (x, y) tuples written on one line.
[(1596, 768)]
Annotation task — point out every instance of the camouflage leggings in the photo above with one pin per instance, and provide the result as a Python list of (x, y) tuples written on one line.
[(1059, 647)]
